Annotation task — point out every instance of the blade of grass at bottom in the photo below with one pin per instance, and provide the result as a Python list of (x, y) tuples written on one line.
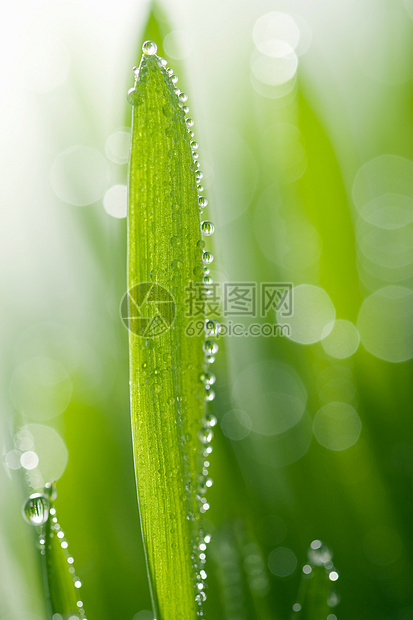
[(60, 582), (317, 596), (167, 396)]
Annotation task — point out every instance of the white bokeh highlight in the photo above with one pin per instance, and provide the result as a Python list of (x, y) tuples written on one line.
[(337, 426), (385, 323), (313, 314), (342, 341)]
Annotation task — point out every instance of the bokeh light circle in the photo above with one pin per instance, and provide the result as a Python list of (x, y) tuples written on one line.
[(342, 341), (40, 388), (383, 191), (178, 44), (117, 146), (50, 449), (273, 396), (274, 71), (282, 562), (313, 314), (115, 201), (236, 424), (275, 34), (337, 426), (385, 323), (79, 175)]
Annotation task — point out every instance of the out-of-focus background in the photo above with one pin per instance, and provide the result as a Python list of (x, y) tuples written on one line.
[(304, 115)]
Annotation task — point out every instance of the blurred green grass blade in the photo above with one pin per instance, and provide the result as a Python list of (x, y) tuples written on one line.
[(317, 594), (167, 396), (63, 595), (323, 193), (61, 584)]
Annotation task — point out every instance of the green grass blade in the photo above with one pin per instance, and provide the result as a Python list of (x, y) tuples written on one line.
[(317, 594), (167, 395), (61, 584)]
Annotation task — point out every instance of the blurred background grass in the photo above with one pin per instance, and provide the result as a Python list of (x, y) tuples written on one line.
[(304, 116)]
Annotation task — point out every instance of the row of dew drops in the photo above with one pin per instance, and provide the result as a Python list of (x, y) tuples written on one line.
[(210, 346), (320, 556), (37, 510)]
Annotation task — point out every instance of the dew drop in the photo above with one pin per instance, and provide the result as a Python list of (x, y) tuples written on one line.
[(183, 97), (149, 48), (205, 435), (199, 175), (186, 110), (132, 96), (210, 359), (212, 327), (168, 110), (207, 228), (174, 79), (163, 62), (200, 188), (195, 155), (207, 257), (333, 599), (208, 378), (207, 280), (194, 145), (209, 395), (189, 122), (175, 241), (176, 264), (208, 484), (319, 554), (169, 71), (36, 509), (209, 420), (202, 202), (210, 347), (201, 597), (78, 583)]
